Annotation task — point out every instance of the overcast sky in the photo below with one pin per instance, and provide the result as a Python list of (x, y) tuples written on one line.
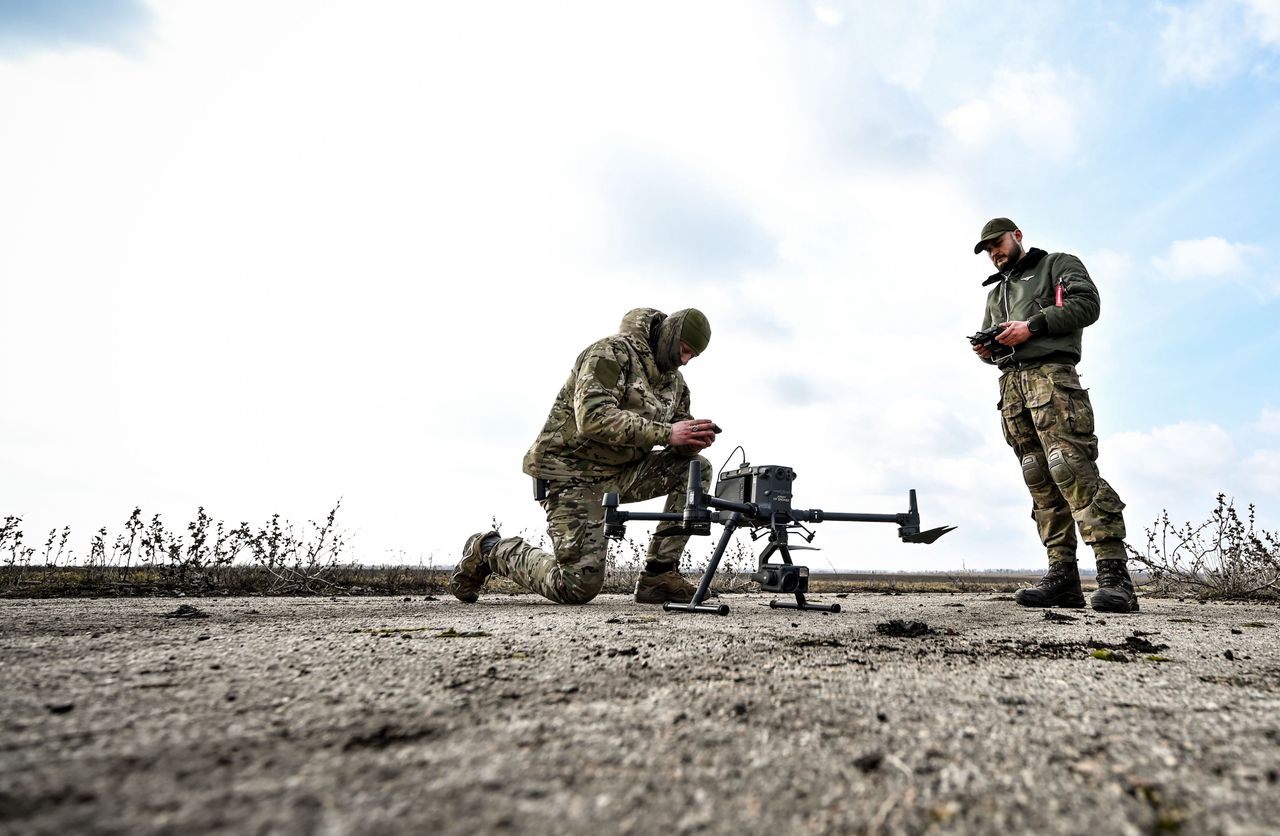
[(260, 256)]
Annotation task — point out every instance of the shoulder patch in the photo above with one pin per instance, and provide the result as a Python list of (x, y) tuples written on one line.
[(607, 372)]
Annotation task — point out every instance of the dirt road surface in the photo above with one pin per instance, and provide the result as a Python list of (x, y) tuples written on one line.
[(908, 713)]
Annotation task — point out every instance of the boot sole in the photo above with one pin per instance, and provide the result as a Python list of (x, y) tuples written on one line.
[(1079, 606), (1071, 604), (1113, 603), (1121, 609)]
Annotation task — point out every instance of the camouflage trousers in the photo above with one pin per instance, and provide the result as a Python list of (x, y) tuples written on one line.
[(1048, 421), (573, 572)]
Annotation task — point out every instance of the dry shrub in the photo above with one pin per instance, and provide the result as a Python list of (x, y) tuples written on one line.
[(1224, 557)]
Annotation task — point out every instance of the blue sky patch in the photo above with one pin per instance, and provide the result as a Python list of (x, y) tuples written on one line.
[(37, 25)]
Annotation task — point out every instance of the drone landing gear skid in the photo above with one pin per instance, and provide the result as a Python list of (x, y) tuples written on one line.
[(775, 545)]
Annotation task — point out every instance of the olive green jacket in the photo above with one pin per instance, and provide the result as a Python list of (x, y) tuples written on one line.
[(615, 407), (1028, 292)]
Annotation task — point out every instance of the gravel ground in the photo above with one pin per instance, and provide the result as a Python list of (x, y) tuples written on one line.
[(904, 713)]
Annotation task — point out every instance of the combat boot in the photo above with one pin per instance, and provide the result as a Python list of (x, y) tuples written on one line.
[(665, 586), (1060, 587), (474, 569), (1115, 588)]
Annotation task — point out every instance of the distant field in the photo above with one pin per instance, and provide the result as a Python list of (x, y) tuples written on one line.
[(920, 581), (928, 577), (107, 581)]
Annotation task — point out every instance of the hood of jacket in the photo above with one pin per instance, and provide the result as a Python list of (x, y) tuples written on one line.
[(639, 323), (639, 327)]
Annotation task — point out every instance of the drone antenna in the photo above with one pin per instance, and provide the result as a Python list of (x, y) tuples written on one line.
[(737, 449)]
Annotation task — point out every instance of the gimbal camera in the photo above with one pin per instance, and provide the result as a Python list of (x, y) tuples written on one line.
[(760, 498)]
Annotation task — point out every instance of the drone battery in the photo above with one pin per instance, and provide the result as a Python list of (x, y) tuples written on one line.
[(734, 486), (768, 486)]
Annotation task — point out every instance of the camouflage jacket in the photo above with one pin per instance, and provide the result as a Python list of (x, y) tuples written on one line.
[(1029, 292), (614, 408)]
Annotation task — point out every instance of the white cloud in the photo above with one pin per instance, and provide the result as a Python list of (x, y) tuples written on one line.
[(828, 16), (1043, 107), (1207, 258), (1182, 467), (1176, 453), (1109, 267), (1263, 471), (1269, 421), (970, 123), (1200, 42), (1264, 17), (1208, 42)]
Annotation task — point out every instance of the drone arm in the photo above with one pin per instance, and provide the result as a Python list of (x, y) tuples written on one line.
[(908, 523), (746, 509), (817, 516), (615, 521)]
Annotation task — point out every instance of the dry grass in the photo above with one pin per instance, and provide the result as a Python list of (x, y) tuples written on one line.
[(210, 557), (102, 582)]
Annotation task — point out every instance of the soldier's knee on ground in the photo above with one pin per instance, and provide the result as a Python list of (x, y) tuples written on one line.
[(577, 597), (578, 585)]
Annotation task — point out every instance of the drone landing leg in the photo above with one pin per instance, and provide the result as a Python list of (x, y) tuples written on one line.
[(696, 604), (802, 604)]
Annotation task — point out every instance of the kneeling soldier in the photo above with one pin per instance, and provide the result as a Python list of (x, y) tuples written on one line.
[(624, 397)]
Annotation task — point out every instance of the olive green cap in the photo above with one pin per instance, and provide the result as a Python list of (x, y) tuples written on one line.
[(689, 326), (993, 230), (695, 330)]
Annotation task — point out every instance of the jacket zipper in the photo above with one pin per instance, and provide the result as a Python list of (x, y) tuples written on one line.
[(1013, 349)]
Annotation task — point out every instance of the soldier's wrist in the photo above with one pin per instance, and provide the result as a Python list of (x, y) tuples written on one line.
[(1038, 324)]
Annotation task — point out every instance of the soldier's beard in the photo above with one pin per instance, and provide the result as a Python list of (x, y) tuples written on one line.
[(1014, 257)]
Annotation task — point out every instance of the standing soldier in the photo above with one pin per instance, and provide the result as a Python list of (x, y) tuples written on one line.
[(624, 396), (1044, 301)]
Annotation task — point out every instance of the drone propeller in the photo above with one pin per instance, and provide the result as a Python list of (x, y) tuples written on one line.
[(929, 536)]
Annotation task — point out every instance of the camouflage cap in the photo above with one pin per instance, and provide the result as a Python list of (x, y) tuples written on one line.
[(994, 229)]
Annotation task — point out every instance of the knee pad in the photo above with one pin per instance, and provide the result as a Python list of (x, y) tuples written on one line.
[(1060, 468), (1032, 471)]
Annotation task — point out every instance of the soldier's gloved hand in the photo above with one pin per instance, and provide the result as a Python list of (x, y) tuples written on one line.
[(699, 433)]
